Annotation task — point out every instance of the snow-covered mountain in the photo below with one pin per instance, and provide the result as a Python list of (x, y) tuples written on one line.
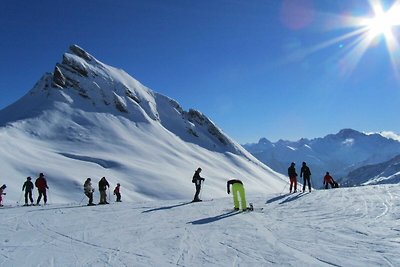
[(337, 153), (88, 119), (387, 172)]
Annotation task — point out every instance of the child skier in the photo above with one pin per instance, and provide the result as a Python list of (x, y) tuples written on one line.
[(117, 193)]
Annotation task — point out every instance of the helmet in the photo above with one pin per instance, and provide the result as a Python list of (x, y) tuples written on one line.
[(28, 178)]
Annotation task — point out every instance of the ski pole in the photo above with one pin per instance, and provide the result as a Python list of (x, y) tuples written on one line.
[(19, 200), (284, 188), (50, 202), (81, 200)]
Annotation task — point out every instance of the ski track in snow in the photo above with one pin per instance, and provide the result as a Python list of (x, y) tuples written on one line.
[(342, 227)]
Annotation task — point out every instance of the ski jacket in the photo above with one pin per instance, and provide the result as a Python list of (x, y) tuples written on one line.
[(103, 184), (292, 172), (116, 190), (234, 181), (305, 171), (41, 184), (197, 178), (87, 187), (328, 179), (28, 186)]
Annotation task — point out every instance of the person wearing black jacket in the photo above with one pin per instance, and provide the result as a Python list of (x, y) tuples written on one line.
[(197, 179), (292, 177), (306, 174), (103, 184), (28, 187)]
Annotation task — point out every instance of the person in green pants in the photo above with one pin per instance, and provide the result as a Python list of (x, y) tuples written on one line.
[(237, 188)]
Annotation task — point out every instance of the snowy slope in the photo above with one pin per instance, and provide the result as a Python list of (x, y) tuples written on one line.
[(88, 119), (340, 227), (337, 153)]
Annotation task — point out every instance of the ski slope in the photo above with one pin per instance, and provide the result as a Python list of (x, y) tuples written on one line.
[(341, 227)]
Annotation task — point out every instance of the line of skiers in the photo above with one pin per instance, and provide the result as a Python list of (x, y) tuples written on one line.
[(41, 185), (103, 186), (306, 174), (237, 187), (28, 186)]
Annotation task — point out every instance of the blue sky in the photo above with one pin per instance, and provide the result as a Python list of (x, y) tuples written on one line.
[(259, 68)]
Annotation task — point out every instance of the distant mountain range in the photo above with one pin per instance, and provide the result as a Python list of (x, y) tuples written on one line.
[(88, 119), (341, 154), (387, 172)]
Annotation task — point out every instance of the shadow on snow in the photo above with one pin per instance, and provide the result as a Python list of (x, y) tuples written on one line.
[(286, 198), (275, 199), (167, 207), (215, 218)]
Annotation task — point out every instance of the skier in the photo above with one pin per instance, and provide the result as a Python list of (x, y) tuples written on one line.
[(28, 187), (41, 185), (117, 192), (292, 177), (197, 181), (2, 193), (103, 184), (328, 180), (306, 173), (88, 189), (237, 188)]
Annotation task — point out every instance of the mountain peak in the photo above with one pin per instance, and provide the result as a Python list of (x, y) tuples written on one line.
[(78, 51), (349, 133)]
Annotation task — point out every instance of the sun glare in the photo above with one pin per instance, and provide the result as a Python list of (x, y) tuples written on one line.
[(366, 32), (382, 22)]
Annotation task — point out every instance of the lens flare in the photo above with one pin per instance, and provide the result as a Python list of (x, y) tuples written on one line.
[(365, 33)]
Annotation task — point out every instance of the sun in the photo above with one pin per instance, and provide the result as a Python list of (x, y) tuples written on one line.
[(382, 22)]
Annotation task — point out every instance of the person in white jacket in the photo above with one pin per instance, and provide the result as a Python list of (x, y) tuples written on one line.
[(88, 189)]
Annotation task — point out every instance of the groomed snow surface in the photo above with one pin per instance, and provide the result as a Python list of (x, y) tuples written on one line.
[(338, 227)]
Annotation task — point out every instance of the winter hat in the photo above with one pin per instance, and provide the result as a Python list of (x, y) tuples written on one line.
[(28, 178), (41, 174), (118, 184)]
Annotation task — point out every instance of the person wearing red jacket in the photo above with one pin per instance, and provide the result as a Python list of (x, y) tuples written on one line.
[(328, 180), (41, 185), (117, 192)]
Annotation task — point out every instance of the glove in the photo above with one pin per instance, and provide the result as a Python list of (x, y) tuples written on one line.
[(203, 179)]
